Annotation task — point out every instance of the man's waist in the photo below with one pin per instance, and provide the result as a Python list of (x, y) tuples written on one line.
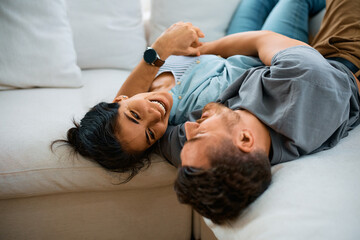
[(352, 67)]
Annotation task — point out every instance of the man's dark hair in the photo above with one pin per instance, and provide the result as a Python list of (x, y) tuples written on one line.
[(234, 180), (95, 138)]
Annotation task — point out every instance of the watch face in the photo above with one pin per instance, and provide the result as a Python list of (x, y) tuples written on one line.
[(150, 55)]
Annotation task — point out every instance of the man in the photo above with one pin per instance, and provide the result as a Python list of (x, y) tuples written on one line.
[(298, 104)]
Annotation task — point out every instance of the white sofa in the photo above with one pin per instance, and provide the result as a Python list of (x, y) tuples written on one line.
[(61, 58)]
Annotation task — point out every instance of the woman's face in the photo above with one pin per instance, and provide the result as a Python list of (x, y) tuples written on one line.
[(142, 119)]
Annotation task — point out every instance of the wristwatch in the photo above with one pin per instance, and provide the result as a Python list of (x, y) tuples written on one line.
[(151, 57)]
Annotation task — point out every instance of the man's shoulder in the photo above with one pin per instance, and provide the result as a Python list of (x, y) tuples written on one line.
[(301, 54)]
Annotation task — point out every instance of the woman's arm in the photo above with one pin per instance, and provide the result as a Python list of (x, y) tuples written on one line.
[(180, 39), (262, 44)]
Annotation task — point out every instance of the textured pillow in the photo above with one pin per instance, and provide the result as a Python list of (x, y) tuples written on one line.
[(107, 33), (211, 16), (36, 47)]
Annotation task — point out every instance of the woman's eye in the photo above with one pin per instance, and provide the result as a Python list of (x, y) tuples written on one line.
[(151, 133), (135, 115)]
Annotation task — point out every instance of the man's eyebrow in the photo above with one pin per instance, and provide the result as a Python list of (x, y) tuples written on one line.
[(131, 119), (136, 122)]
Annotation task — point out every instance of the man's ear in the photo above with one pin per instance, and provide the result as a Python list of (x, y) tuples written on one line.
[(120, 98), (244, 140)]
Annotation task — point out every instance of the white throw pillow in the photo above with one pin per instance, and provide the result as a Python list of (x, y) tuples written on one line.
[(36, 47), (107, 33), (211, 16)]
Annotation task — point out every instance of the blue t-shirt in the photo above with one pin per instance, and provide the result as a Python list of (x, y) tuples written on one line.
[(203, 81), (307, 102)]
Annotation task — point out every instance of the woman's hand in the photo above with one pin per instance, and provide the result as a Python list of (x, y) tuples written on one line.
[(179, 39)]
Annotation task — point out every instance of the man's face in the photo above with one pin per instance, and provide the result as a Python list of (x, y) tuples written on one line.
[(216, 123)]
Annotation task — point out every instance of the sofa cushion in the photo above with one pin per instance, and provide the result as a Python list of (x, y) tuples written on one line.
[(211, 16), (32, 118), (36, 45), (107, 34)]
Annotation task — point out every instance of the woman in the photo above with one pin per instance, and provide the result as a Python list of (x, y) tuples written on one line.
[(119, 135)]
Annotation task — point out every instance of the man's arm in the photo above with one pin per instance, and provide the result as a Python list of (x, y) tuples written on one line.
[(180, 39), (262, 44)]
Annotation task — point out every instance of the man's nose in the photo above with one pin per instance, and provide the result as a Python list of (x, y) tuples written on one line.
[(191, 129)]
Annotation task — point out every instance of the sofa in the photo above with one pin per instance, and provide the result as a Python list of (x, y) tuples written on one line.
[(58, 59)]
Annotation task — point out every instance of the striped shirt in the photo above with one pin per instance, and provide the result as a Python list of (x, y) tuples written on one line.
[(177, 65)]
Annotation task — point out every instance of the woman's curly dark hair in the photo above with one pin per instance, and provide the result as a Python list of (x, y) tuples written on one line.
[(234, 180), (95, 138)]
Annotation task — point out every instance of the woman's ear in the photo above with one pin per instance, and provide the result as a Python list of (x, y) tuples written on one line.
[(244, 140), (120, 98)]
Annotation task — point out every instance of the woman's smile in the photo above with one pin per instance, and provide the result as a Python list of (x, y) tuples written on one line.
[(161, 105), (163, 102)]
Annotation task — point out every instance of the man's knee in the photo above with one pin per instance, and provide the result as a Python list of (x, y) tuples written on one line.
[(315, 6)]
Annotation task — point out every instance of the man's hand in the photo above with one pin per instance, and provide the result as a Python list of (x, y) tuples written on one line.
[(179, 39)]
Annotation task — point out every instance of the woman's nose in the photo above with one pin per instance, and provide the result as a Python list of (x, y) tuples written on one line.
[(191, 129), (153, 116)]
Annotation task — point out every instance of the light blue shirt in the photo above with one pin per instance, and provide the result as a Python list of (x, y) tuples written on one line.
[(203, 82)]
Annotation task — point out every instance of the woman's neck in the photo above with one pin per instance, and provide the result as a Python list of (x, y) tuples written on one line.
[(164, 82)]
